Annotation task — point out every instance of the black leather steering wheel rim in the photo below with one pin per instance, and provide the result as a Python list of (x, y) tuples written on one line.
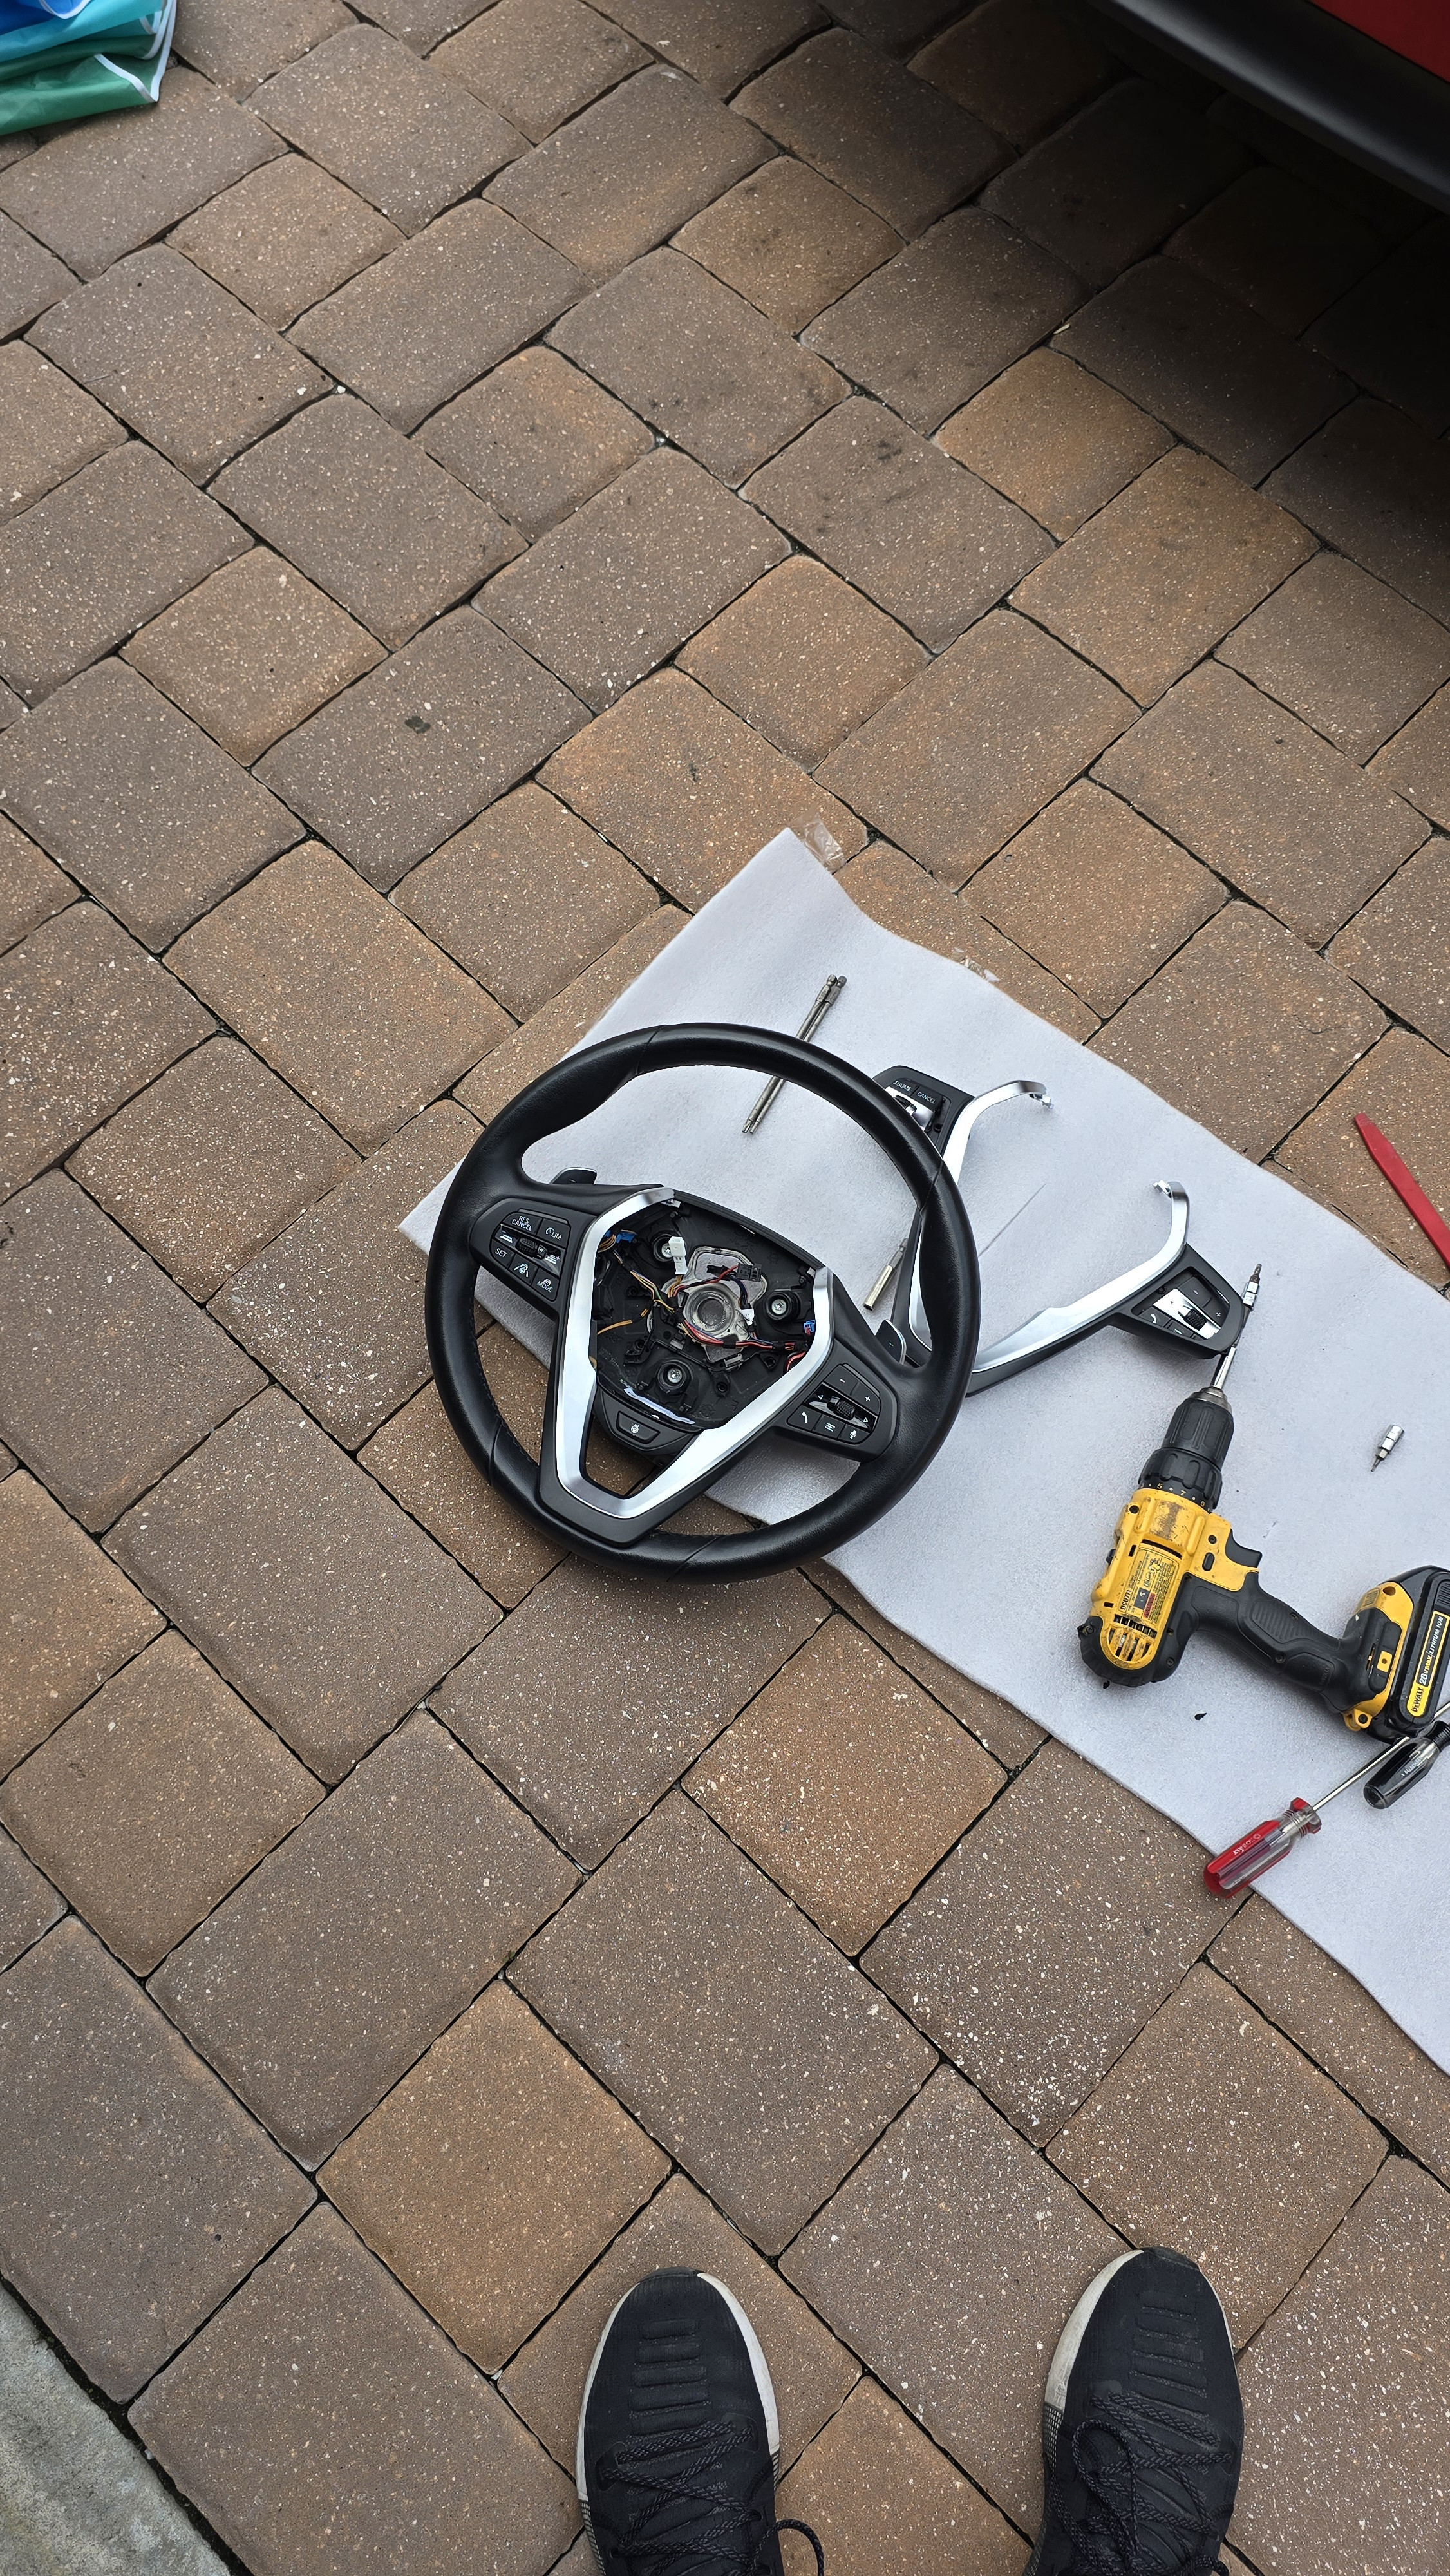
[(930, 1397)]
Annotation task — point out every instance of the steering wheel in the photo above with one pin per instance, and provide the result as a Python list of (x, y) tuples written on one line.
[(688, 1332)]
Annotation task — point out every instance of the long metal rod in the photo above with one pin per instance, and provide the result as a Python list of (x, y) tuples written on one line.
[(826, 999), (1376, 1761)]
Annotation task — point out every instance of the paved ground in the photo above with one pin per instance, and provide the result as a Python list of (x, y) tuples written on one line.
[(470, 475)]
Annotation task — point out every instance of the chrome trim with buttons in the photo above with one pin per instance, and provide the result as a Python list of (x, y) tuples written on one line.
[(1057, 1325), (711, 1451)]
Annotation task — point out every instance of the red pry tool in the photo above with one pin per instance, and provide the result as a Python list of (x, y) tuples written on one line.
[(1402, 1180)]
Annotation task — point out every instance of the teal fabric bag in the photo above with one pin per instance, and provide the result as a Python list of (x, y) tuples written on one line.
[(88, 59)]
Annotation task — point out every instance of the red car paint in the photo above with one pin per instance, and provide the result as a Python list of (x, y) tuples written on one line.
[(1418, 29)]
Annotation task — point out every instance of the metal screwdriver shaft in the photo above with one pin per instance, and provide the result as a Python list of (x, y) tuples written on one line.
[(829, 994)]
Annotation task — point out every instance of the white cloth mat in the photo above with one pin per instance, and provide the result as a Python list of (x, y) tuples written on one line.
[(991, 1557)]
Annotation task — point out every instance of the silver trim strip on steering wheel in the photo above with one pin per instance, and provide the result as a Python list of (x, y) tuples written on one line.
[(1059, 1324), (704, 1457)]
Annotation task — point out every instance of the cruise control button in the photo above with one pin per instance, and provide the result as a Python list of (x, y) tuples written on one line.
[(522, 1222), (504, 1246), (632, 1426), (551, 1229)]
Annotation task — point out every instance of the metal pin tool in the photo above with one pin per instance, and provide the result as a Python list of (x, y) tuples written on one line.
[(826, 999)]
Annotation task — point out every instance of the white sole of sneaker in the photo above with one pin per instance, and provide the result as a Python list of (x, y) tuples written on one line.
[(760, 2372)]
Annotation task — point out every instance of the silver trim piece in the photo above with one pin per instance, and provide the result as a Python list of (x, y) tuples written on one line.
[(1057, 1325), (954, 1154), (703, 1458)]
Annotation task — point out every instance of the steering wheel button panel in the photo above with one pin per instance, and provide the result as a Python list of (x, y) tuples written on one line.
[(633, 1426)]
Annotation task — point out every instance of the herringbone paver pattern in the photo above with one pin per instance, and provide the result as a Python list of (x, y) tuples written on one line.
[(470, 471)]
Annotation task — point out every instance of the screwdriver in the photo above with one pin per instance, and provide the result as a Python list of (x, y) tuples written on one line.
[(1270, 1842)]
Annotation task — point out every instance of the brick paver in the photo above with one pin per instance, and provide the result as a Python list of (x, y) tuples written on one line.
[(845, 1782), (404, 136), (1402, 1085), (139, 803), (679, 1936), (944, 318), (32, 888), (89, 1019), (253, 652), (1053, 438), (324, 1309), (428, 320), (49, 428), (368, 1022), (539, 450), (597, 1694), (410, 754), (137, 2192), (1285, 248), (1348, 655), (108, 1372), (1359, 2344), (1170, 2148), (1035, 2001), (535, 438), (28, 1903), (152, 1801), (886, 511), (97, 558), (876, 2491), (500, 2143), (323, 2422), (949, 2226), (609, 595), (182, 361), (72, 1618), (1399, 946), (325, 1976), (1307, 1996), (526, 898), (789, 240), (309, 1590), (285, 236), (1097, 893)]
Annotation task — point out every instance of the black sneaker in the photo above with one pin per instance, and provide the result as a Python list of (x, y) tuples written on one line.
[(1142, 2426), (679, 2438)]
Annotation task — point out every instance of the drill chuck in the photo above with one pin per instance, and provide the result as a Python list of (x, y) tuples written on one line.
[(1189, 1460)]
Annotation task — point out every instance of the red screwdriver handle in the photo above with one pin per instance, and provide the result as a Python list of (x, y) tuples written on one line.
[(1255, 1852)]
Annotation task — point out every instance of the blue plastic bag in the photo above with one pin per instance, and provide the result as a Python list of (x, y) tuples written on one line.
[(66, 58)]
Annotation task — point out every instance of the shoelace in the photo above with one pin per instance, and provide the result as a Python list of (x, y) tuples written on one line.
[(732, 2534), (1121, 2514)]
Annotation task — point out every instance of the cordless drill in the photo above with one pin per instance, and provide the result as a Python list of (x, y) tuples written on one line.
[(1175, 1566)]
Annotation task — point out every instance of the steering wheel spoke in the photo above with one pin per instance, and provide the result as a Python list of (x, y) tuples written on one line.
[(663, 1342)]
